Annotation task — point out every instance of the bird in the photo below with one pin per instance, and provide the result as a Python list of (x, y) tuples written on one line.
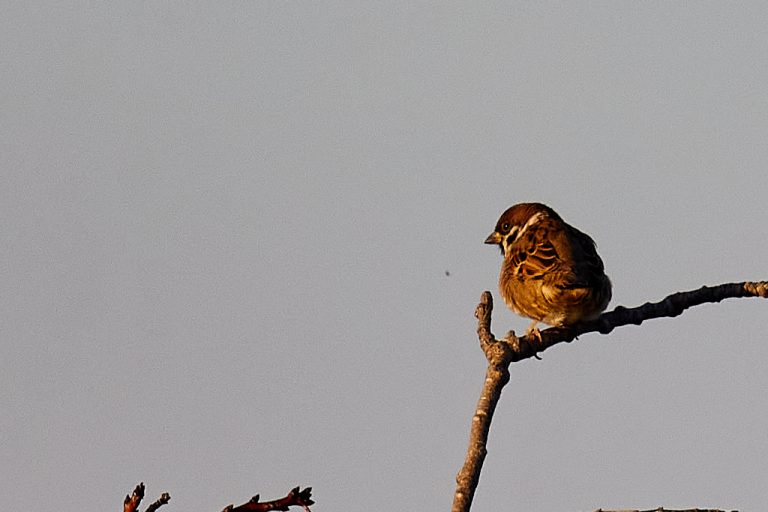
[(551, 271)]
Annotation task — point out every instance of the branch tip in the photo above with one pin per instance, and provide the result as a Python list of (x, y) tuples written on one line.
[(296, 497)]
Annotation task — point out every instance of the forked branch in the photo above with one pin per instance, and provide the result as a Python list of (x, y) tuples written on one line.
[(500, 353)]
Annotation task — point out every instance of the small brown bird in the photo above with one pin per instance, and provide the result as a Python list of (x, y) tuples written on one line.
[(551, 271)]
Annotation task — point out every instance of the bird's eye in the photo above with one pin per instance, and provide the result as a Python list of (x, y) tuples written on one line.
[(505, 227)]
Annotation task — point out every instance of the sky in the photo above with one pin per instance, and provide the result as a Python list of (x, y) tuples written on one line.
[(242, 243)]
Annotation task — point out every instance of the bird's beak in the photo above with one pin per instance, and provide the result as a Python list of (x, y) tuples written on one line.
[(493, 238)]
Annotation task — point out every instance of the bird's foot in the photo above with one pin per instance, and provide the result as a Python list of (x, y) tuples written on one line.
[(534, 331), (534, 337)]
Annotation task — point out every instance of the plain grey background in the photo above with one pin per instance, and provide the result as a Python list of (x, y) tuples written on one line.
[(226, 228)]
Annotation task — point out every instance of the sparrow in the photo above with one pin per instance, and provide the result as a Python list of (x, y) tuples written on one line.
[(551, 271)]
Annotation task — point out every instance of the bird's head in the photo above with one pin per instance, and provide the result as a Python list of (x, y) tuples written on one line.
[(515, 221)]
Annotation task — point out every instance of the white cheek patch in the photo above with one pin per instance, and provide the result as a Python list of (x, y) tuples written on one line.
[(516, 233), (533, 220), (510, 238)]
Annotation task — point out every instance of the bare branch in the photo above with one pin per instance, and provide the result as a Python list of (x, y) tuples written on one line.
[(162, 500), (673, 305), (132, 502), (500, 353), (662, 509), (295, 498)]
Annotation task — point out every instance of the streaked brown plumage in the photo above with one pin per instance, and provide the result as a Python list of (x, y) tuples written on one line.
[(551, 271)]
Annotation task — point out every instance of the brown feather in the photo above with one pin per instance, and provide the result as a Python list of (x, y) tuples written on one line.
[(551, 270)]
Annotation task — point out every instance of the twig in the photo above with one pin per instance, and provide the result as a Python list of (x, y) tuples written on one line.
[(162, 500), (295, 498), (132, 502), (662, 509), (500, 353)]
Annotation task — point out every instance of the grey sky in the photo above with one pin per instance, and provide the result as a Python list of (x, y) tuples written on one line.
[(226, 226)]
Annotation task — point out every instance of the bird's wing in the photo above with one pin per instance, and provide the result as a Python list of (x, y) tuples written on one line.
[(534, 256), (588, 267)]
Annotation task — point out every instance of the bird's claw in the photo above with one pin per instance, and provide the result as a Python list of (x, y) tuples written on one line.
[(534, 338)]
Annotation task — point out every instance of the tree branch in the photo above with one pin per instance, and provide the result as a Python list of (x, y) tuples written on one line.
[(297, 497), (132, 502), (672, 306), (500, 353), (162, 500), (662, 509)]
